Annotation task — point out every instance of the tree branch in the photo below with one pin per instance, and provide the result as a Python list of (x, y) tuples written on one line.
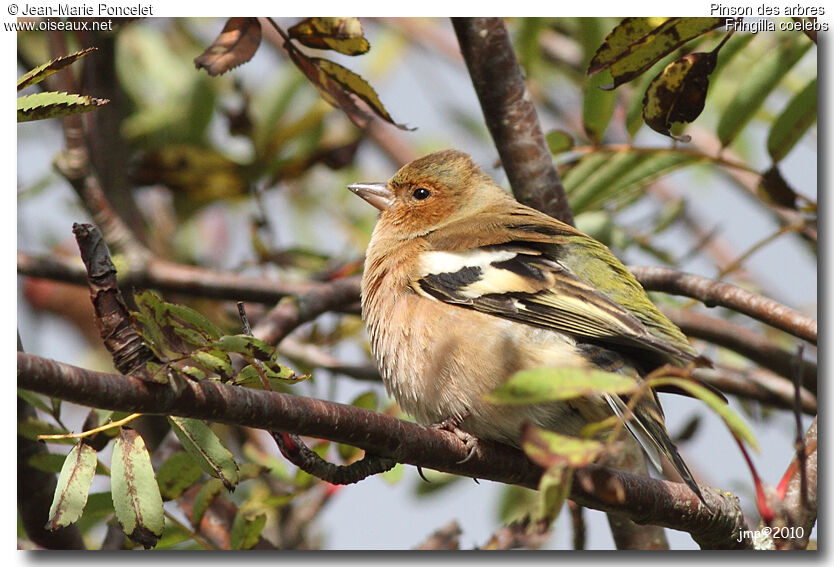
[(712, 293), (644, 500), (759, 385), (758, 348), (511, 115), (175, 278)]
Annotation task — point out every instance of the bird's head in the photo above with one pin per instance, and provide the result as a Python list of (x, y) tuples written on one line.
[(431, 192)]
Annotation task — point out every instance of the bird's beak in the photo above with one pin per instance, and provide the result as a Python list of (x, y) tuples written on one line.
[(376, 194)]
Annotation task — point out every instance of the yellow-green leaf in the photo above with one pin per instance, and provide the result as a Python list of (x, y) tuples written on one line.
[(73, 486), (554, 488), (678, 92), (755, 86), (339, 34), (246, 531), (548, 449), (41, 72), (559, 141), (40, 106), (206, 449), (638, 43), (734, 422), (621, 38), (176, 474), (136, 496), (798, 116), (556, 384)]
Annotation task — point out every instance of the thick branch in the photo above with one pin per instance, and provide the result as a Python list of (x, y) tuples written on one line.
[(511, 116), (712, 293), (642, 499)]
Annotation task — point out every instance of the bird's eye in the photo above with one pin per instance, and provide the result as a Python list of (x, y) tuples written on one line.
[(421, 193)]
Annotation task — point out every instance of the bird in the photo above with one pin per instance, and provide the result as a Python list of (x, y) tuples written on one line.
[(463, 286)]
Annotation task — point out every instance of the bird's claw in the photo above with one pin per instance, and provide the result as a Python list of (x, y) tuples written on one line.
[(452, 425)]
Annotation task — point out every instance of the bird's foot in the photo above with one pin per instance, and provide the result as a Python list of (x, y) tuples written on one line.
[(452, 424)]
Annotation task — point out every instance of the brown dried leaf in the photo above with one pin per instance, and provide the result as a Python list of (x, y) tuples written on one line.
[(339, 34), (341, 87), (678, 92), (774, 189), (235, 45)]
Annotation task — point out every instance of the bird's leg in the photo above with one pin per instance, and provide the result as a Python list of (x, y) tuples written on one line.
[(452, 424)]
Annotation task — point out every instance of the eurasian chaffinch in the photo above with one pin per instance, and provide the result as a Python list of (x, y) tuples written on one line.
[(464, 286)]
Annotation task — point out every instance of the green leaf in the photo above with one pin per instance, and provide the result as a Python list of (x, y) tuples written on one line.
[(215, 362), (559, 141), (53, 462), (172, 324), (40, 106), (798, 116), (678, 92), (559, 455), (517, 503), (620, 175), (205, 496), (394, 475), (366, 400), (99, 507), (597, 104), (556, 384), (250, 375), (550, 449), (245, 345), (206, 449), (136, 496), (32, 427), (554, 487), (41, 72), (34, 400), (756, 85), (437, 481), (73, 487), (343, 35), (246, 531), (734, 422), (638, 43), (178, 473)]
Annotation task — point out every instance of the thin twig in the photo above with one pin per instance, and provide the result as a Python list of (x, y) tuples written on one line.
[(90, 432)]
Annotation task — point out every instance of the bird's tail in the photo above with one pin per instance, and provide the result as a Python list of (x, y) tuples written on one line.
[(646, 425)]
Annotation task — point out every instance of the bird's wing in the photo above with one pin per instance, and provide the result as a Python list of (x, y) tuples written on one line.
[(532, 283)]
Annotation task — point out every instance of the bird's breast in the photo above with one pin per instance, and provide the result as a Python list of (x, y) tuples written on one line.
[(439, 360)]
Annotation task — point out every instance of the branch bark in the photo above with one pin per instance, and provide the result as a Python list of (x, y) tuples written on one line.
[(643, 500), (511, 116), (712, 293), (758, 348)]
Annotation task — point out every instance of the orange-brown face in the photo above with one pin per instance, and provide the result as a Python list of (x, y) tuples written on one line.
[(426, 193)]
